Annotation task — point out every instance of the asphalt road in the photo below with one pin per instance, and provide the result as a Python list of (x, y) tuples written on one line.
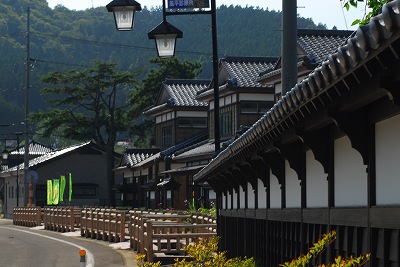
[(26, 247)]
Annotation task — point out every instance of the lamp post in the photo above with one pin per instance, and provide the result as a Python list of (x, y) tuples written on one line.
[(165, 35)]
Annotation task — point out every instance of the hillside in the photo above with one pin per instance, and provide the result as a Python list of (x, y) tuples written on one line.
[(64, 39)]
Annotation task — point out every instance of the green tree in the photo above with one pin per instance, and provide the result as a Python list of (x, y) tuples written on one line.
[(86, 105), (145, 95), (374, 7)]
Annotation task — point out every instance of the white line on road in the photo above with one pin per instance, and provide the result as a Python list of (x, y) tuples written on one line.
[(89, 255)]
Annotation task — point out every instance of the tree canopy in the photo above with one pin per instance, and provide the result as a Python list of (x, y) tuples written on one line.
[(87, 105)]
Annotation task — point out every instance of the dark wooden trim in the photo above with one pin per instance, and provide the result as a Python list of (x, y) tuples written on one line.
[(349, 216), (316, 216), (385, 217)]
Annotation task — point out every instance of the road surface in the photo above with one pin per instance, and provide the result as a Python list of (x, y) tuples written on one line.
[(25, 247)]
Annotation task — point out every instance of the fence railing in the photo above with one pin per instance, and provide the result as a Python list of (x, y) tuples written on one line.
[(153, 233)]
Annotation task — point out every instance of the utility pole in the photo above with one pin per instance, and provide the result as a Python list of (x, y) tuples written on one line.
[(26, 121), (289, 45)]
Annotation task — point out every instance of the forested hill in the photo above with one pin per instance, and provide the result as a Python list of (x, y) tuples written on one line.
[(65, 39)]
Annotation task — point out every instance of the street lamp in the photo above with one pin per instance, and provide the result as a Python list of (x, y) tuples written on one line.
[(165, 35), (4, 156), (124, 13)]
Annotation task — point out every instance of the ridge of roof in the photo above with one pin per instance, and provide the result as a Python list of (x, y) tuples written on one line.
[(186, 81), (322, 32), (249, 59)]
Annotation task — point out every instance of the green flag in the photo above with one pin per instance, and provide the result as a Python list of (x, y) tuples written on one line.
[(49, 192), (62, 187), (56, 191), (70, 188)]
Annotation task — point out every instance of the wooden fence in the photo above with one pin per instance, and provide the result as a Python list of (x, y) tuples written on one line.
[(29, 217), (157, 234)]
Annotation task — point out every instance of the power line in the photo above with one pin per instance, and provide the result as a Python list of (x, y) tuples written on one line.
[(108, 44)]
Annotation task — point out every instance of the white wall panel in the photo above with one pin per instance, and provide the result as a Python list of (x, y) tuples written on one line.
[(251, 197), (275, 192), (387, 161), (350, 175), (293, 189), (256, 97), (242, 198), (235, 197), (317, 183), (262, 195)]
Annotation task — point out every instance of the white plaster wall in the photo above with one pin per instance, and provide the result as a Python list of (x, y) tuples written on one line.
[(387, 161), (191, 114), (235, 196), (224, 204), (275, 192), (229, 205), (350, 175), (262, 195), (293, 189), (256, 97), (251, 197), (316, 184), (242, 197)]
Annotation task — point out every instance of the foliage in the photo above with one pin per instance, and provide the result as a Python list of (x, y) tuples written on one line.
[(146, 94), (318, 248), (62, 39), (85, 105), (374, 6), (205, 253)]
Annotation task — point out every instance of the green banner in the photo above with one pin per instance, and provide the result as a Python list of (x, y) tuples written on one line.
[(49, 192), (62, 187), (56, 191), (70, 188)]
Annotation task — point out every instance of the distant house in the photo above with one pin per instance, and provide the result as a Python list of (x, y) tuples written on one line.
[(181, 121), (325, 157), (16, 156), (87, 164)]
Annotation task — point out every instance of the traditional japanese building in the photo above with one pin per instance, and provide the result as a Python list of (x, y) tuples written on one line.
[(323, 158)]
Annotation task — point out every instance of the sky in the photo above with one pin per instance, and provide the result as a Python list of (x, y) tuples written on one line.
[(329, 12)]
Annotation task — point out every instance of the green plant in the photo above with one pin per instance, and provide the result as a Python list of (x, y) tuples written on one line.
[(203, 254), (374, 6), (318, 248)]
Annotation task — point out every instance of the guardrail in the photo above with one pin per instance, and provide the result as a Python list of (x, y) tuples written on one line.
[(106, 224), (163, 235), (29, 217), (156, 234), (61, 219)]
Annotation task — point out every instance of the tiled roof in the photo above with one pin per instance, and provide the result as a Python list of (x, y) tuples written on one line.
[(367, 42), (317, 45), (49, 156), (35, 148), (186, 143), (132, 157), (321, 43), (201, 149), (183, 92), (245, 70), (179, 93)]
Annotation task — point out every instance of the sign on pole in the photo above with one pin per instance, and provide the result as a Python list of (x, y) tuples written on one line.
[(189, 4)]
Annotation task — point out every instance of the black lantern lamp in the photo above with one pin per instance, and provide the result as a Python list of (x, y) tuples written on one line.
[(165, 35), (124, 13)]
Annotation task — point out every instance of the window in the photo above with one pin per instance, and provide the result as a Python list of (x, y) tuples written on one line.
[(84, 192), (192, 122), (255, 107), (167, 136), (225, 126)]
